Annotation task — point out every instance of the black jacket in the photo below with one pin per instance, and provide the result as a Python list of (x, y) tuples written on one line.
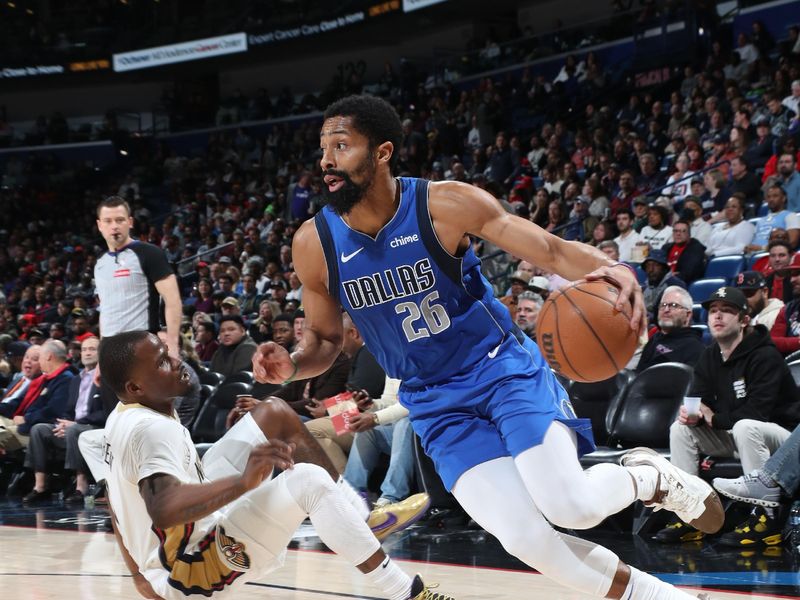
[(682, 345), (754, 383), (692, 261)]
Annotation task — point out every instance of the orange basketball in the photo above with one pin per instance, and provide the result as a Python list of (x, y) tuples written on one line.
[(582, 335)]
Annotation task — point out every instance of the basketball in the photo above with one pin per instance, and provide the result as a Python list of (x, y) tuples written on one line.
[(582, 335)]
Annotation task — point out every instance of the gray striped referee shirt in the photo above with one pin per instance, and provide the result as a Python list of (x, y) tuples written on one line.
[(125, 282)]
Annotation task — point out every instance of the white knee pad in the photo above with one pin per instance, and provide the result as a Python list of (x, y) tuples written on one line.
[(308, 484)]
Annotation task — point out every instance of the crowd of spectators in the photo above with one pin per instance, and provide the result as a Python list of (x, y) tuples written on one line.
[(664, 178)]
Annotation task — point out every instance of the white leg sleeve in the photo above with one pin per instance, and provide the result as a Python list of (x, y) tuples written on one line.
[(567, 495), (494, 494), (336, 520)]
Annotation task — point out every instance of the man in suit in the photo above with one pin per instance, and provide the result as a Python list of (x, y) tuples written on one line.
[(44, 400), (83, 411)]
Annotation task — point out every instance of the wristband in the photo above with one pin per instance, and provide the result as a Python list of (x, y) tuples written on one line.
[(291, 377)]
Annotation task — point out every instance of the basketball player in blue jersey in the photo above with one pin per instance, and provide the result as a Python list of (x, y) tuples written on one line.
[(395, 254)]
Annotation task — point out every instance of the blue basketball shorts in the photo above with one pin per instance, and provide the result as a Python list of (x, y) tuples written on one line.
[(499, 407)]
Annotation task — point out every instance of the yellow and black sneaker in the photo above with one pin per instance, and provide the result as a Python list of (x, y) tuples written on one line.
[(420, 591), (677, 532), (760, 528)]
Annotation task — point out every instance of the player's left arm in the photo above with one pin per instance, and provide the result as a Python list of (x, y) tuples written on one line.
[(173, 311), (458, 209)]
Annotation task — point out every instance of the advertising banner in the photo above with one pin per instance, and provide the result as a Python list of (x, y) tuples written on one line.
[(183, 52)]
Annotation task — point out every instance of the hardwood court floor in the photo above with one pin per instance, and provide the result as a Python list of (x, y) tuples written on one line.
[(58, 553)]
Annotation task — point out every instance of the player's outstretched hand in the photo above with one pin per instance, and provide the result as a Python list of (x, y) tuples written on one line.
[(272, 363), (263, 458), (629, 289)]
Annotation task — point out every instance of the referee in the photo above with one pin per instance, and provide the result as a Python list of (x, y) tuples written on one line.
[(132, 278)]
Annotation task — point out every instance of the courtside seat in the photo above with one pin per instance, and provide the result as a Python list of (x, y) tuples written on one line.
[(210, 423), (241, 376), (725, 267), (211, 378), (591, 400), (641, 414)]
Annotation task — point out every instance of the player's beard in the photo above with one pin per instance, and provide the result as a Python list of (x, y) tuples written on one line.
[(351, 193)]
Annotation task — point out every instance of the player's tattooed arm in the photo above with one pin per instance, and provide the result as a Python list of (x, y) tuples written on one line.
[(170, 502)]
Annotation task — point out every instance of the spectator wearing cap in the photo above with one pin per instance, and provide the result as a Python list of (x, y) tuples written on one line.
[(759, 151), (686, 256), (745, 182), (230, 306), (749, 401), (236, 349), (659, 278), (517, 282), (628, 237), (693, 214), (735, 234), (778, 273), (721, 155), (540, 285), (777, 216), (761, 309), (277, 291), (657, 233), (675, 340)]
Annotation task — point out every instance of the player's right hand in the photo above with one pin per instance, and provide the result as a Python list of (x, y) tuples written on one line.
[(272, 363), (263, 458)]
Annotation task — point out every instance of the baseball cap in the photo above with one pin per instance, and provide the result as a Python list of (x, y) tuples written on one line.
[(729, 295), (225, 259), (230, 301), (697, 180), (519, 276), (78, 312), (658, 256), (202, 264), (17, 349), (750, 280), (719, 139), (538, 283), (640, 200)]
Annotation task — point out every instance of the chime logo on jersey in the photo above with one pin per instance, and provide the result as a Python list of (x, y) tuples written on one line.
[(390, 284)]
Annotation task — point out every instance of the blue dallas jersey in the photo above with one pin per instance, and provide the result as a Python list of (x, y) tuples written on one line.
[(426, 315), (476, 388)]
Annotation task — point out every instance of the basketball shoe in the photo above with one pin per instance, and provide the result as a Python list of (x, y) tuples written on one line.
[(389, 518), (692, 499), (419, 591), (759, 528)]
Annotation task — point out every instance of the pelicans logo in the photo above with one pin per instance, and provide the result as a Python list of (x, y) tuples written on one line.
[(232, 551)]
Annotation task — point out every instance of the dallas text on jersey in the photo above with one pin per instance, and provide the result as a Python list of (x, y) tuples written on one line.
[(391, 284)]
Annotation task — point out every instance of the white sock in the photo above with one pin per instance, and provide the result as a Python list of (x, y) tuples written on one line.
[(644, 586), (390, 579), (646, 479), (353, 497)]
